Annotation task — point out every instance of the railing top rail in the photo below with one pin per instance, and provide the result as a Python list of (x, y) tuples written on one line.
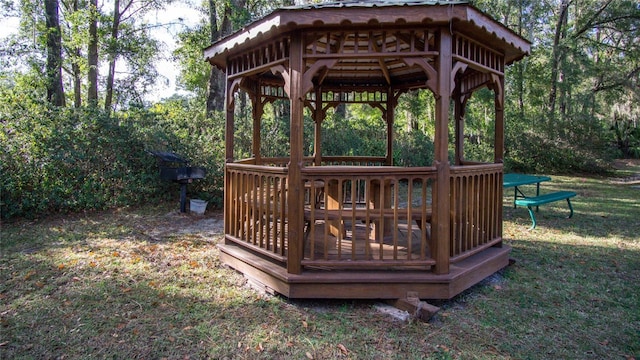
[(475, 168), (258, 168), (353, 158), (366, 170)]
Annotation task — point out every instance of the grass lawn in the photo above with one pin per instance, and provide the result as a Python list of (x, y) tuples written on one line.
[(147, 283)]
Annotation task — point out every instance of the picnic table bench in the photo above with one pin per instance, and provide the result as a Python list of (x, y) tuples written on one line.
[(516, 180), (545, 199)]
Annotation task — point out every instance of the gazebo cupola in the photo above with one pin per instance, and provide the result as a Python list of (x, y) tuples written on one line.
[(359, 227)]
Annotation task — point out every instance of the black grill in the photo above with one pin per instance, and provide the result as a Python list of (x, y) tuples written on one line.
[(176, 168)]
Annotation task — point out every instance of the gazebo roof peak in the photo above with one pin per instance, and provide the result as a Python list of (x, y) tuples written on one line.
[(377, 3), (460, 16)]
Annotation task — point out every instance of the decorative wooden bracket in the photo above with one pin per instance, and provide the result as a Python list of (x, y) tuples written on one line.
[(233, 87), (285, 75), (432, 74), (458, 67), (307, 83), (496, 85)]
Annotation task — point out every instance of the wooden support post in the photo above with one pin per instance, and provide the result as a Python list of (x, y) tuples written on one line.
[(499, 121), (389, 115), (459, 110), (441, 201), (229, 124), (229, 134), (295, 196), (499, 142), (318, 117), (258, 110)]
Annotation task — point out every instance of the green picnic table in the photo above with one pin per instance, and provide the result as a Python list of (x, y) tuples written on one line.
[(516, 180), (519, 198)]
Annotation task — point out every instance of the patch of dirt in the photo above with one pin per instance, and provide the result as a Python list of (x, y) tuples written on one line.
[(627, 165), (174, 223), (623, 164)]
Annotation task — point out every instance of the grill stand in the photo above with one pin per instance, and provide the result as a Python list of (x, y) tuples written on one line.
[(183, 196)]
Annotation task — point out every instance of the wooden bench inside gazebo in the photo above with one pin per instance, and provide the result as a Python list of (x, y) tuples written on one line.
[(359, 227)]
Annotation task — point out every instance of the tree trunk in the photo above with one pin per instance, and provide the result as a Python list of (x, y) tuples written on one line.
[(75, 68), (520, 66), (55, 89), (113, 55), (216, 88), (92, 54), (557, 55)]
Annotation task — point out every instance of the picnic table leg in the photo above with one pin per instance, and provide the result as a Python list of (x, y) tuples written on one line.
[(537, 194), (515, 196), (533, 218), (570, 208)]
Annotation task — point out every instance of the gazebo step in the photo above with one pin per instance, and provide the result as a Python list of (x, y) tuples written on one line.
[(370, 284)]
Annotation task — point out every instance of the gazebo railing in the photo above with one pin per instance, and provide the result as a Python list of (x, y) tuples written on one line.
[(476, 205), (363, 216), (368, 217), (255, 208)]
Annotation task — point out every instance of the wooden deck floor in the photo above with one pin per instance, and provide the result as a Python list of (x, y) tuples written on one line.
[(358, 243)]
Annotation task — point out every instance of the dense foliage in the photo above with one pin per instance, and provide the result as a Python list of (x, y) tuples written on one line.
[(571, 106), (63, 159)]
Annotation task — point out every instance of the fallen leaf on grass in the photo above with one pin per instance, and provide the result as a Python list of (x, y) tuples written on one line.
[(343, 349), (309, 356), (60, 266), (304, 324), (29, 275)]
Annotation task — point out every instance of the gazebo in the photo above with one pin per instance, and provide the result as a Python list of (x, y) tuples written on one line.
[(321, 226)]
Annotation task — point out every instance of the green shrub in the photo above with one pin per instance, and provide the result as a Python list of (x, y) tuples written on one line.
[(69, 160)]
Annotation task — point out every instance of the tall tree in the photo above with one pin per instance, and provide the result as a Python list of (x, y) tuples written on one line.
[(55, 89), (112, 52), (73, 48), (557, 53), (129, 39), (216, 88), (92, 54)]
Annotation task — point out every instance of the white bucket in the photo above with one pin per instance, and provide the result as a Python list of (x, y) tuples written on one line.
[(198, 206)]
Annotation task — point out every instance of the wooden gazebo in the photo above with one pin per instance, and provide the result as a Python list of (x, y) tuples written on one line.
[(359, 227)]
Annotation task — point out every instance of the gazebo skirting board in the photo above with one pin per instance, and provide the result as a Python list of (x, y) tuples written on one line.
[(363, 226), (365, 284)]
